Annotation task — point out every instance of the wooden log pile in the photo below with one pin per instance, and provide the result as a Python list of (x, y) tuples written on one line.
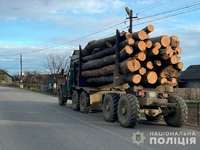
[(144, 60)]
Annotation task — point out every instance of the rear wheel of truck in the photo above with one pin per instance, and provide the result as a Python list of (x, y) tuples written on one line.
[(128, 110), (84, 102), (179, 116), (110, 103), (61, 99), (75, 100)]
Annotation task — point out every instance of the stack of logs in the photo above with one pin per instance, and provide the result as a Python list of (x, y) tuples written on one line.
[(143, 60)]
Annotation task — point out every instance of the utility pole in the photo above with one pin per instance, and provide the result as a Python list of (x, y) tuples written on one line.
[(130, 17), (21, 77)]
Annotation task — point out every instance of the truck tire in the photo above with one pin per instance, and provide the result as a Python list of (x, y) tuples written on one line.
[(179, 116), (153, 118), (61, 100), (128, 110), (110, 103), (75, 100), (84, 102)]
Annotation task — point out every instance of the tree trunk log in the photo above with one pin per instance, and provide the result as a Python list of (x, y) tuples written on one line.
[(150, 77), (102, 44), (140, 46), (127, 66), (174, 41), (149, 44), (179, 66), (166, 53), (101, 80), (157, 45), (148, 29), (142, 71), (168, 72), (152, 51), (162, 80), (164, 40), (157, 63), (133, 78), (140, 35), (140, 56), (103, 53)]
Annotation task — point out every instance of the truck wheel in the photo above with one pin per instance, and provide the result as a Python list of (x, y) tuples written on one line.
[(61, 100), (179, 116), (153, 118), (128, 110), (75, 100), (110, 103), (84, 102)]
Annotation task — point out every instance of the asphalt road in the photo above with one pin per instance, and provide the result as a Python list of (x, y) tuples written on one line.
[(33, 121)]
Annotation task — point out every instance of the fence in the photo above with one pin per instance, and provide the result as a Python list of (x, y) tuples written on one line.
[(193, 112)]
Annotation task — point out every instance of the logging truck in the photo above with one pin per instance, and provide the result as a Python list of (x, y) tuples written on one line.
[(126, 75)]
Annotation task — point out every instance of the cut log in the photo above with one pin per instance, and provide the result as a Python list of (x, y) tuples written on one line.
[(173, 60), (133, 78), (140, 46), (179, 66), (103, 53), (131, 41), (172, 82), (169, 72), (128, 35), (149, 44), (99, 72), (140, 56), (108, 60), (157, 63), (164, 40), (178, 50), (147, 64), (140, 35), (101, 80), (150, 77), (174, 41), (162, 80), (128, 49), (152, 51), (148, 29), (166, 53), (102, 44), (157, 45), (127, 66), (130, 65), (142, 71)]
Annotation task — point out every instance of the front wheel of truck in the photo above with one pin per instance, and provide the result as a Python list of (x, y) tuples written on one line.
[(178, 117)]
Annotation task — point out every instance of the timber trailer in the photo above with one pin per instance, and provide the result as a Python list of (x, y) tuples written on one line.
[(120, 102)]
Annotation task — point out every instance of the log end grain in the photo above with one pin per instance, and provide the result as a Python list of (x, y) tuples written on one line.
[(141, 56), (131, 41), (149, 43), (174, 41), (151, 77), (136, 78), (133, 65), (142, 71), (165, 40)]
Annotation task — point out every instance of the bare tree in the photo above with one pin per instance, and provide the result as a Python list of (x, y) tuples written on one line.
[(55, 62)]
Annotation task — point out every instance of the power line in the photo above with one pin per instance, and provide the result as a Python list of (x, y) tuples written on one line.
[(171, 11), (76, 39)]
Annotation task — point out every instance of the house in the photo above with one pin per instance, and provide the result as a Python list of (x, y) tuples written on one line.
[(5, 78), (190, 78)]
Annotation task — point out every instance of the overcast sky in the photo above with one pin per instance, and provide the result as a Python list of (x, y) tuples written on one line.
[(43, 26)]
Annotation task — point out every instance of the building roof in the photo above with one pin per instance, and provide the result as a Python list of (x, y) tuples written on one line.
[(1, 70), (191, 73)]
